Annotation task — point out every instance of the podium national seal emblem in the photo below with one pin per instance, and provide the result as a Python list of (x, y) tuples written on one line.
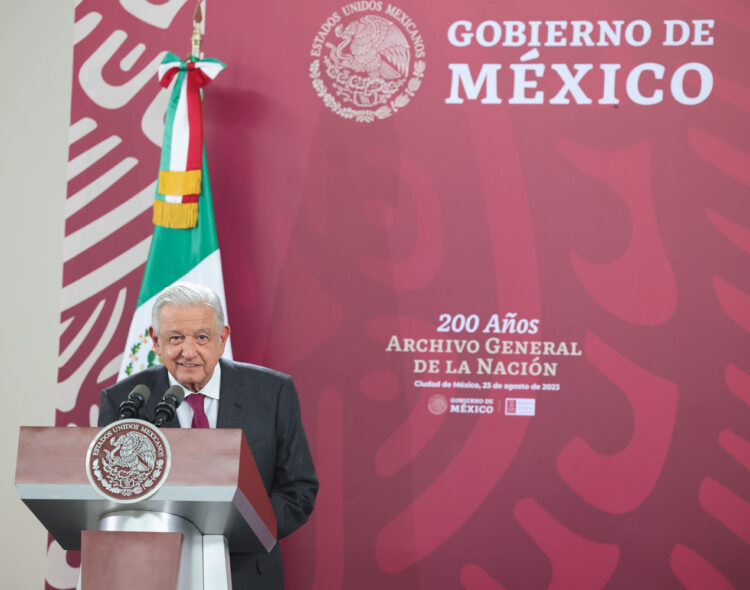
[(368, 60), (128, 461)]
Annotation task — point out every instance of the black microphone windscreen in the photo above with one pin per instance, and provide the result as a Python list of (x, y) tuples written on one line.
[(176, 391), (141, 390)]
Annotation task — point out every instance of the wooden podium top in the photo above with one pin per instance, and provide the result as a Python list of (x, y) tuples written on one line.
[(213, 482)]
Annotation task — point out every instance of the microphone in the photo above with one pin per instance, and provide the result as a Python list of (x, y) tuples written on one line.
[(131, 407), (168, 405)]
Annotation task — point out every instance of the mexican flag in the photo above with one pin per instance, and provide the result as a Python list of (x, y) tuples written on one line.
[(184, 246)]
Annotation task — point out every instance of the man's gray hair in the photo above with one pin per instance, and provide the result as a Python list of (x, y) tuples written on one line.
[(183, 293)]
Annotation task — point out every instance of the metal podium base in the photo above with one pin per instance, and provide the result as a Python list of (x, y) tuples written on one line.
[(204, 561)]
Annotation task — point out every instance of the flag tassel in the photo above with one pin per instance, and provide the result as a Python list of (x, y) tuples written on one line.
[(175, 215)]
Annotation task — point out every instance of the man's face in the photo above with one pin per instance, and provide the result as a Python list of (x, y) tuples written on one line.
[(189, 343)]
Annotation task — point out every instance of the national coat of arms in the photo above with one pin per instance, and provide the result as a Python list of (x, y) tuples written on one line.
[(369, 61), (128, 460)]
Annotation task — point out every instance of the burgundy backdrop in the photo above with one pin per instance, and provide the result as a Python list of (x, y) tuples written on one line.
[(429, 242)]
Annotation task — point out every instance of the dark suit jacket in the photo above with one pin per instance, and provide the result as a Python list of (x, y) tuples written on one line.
[(264, 404)]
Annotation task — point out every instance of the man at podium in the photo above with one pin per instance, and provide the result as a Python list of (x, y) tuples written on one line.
[(189, 334)]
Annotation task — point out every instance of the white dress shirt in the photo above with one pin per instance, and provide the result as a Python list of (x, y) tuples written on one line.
[(210, 403)]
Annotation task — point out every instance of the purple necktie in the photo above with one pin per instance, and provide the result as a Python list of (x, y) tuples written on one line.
[(200, 420)]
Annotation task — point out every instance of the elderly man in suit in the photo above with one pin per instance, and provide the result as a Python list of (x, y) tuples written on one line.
[(189, 334)]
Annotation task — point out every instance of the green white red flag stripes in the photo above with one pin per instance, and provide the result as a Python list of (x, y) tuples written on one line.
[(175, 254)]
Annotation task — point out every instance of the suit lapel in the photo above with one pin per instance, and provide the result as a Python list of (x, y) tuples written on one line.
[(231, 400)]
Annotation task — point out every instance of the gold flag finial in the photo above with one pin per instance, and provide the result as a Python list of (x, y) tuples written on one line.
[(197, 38)]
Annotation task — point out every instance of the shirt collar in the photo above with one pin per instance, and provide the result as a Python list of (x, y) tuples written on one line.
[(210, 389)]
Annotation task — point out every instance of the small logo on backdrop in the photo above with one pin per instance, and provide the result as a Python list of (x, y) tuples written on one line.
[(368, 60), (437, 404), (128, 460), (520, 406)]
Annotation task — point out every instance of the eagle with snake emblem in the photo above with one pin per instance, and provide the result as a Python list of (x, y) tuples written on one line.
[(132, 452), (377, 52)]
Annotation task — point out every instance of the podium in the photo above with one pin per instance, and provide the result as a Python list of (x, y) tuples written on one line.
[(212, 501)]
